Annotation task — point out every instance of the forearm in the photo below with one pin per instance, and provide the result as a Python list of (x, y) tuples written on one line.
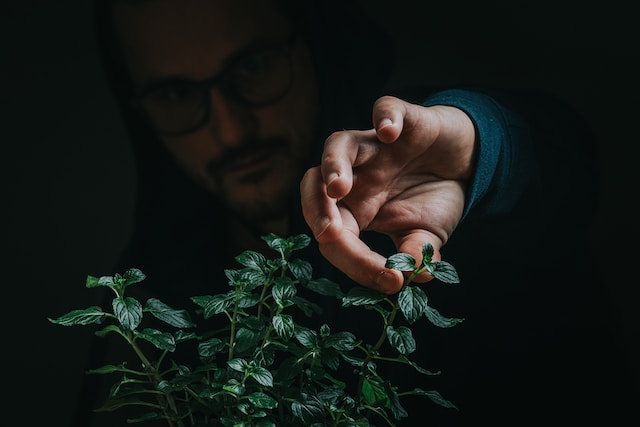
[(505, 161)]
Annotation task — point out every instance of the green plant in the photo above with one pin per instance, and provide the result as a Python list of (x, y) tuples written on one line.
[(260, 367)]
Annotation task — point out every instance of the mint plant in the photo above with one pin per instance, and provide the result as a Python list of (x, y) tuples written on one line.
[(259, 366)]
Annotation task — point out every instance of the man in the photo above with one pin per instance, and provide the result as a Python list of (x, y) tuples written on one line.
[(278, 111)]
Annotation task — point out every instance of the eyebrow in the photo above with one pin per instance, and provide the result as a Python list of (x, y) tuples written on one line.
[(159, 82)]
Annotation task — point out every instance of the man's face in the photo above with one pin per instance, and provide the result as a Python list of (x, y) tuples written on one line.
[(256, 136)]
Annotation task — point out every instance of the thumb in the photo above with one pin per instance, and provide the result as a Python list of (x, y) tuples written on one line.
[(388, 118)]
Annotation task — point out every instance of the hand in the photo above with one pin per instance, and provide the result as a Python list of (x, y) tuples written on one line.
[(405, 178)]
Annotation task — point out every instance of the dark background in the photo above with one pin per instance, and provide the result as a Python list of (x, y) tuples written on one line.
[(67, 170)]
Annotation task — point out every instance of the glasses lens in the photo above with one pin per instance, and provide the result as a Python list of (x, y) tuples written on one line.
[(258, 79), (175, 108), (263, 77)]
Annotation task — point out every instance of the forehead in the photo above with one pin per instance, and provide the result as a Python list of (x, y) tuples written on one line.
[(193, 38)]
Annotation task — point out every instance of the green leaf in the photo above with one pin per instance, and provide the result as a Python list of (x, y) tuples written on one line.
[(325, 330), (109, 369), (232, 422), (262, 400), (247, 340), (394, 402), (306, 306), (128, 311), (275, 242), (182, 336), (325, 287), (359, 295), (418, 368), (88, 316), (234, 387), (233, 276), (132, 276), (427, 253), (276, 264), (108, 329), (102, 281), (162, 340), (283, 291), (300, 241), (261, 375), (209, 348), (244, 408), (342, 341), (337, 397), (436, 397), (170, 386), (251, 322), (373, 392), (146, 417), (413, 302), (250, 278), (308, 409), (354, 361), (283, 325), (127, 387), (215, 304), (248, 299), (251, 259), (315, 372), (401, 339), (439, 320), (445, 272), (331, 359), (176, 318), (238, 364), (286, 246), (288, 369), (307, 338), (300, 269), (265, 355), (92, 282), (401, 261)]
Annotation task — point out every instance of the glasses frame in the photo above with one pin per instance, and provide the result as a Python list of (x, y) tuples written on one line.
[(224, 82)]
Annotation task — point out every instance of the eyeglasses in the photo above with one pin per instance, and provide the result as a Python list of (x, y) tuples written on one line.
[(259, 78)]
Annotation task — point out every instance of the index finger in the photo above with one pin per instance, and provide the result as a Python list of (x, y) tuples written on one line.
[(354, 258), (343, 151)]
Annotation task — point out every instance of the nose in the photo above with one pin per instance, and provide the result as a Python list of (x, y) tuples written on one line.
[(230, 121)]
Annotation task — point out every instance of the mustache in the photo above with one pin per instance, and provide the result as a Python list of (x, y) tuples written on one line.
[(233, 155)]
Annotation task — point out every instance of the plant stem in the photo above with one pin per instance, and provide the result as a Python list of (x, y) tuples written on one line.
[(370, 352), (172, 411)]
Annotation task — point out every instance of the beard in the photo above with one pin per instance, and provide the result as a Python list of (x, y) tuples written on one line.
[(257, 211), (257, 181)]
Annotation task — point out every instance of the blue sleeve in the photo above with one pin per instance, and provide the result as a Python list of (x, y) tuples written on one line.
[(505, 160)]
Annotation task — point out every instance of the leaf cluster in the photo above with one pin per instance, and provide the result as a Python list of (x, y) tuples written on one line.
[(260, 367)]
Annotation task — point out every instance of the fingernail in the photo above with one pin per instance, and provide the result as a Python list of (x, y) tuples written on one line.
[(384, 123), (387, 282), (331, 177)]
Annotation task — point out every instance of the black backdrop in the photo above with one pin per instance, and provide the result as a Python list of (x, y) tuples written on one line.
[(67, 172)]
